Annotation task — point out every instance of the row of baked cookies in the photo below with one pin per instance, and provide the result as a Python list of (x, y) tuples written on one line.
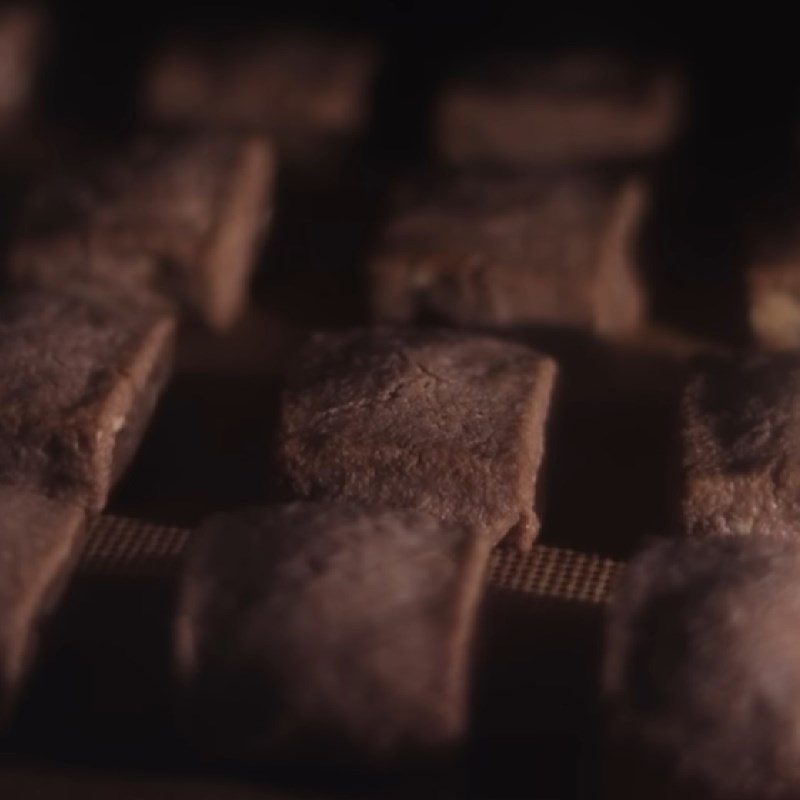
[(390, 433), (525, 230)]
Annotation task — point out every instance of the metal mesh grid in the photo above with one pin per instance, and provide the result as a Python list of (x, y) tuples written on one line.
[(554, 573), (117, 545), (121, 546)]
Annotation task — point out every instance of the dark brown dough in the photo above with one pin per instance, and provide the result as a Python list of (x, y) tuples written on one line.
[(184, 215), (480, 249), (291, 85), (740, 432), (702, 667), (572, 107), (39, 540), (320, 631), (81, 372), (449, 424)]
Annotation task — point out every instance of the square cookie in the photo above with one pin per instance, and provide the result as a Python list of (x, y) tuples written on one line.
[(701, 679), (299, 87), (185, 216), (445, 423), (740, 435), (82, 372), (327, 632), (564, 108), (39, 542), (477, 249)]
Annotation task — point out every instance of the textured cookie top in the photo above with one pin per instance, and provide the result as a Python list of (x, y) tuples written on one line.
[(60, 353), (703, 662), (545, 222), (745, 414), (337, 625), (73, 365), (447, 423), (741, 442), (159, 198), (485, 248), (181, 215)]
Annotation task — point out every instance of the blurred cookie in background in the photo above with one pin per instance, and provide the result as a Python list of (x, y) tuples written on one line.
[(568, 107)]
